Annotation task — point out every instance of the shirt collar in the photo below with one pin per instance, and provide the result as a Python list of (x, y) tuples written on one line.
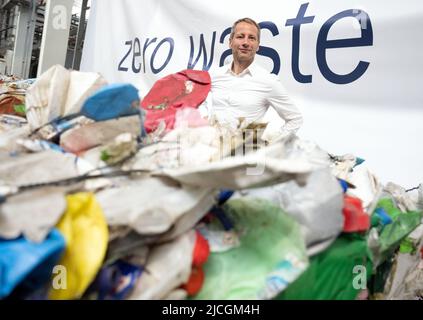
[(251, 69)]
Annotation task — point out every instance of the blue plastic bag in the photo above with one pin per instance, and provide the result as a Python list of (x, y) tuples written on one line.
[(111, 102), (28, 262)]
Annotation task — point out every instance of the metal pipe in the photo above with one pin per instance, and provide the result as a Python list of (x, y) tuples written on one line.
[(76, 62), (29, 38)]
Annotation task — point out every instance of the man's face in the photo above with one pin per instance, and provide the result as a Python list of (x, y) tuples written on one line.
[(245, 42)]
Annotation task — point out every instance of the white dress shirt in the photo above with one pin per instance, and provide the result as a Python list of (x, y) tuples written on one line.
[(249, 95)]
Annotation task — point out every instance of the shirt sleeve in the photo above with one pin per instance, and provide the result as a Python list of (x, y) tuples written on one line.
[(285, 107)]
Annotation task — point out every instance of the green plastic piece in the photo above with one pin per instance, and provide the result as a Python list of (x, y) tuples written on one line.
[(271, 254), (338, 273)]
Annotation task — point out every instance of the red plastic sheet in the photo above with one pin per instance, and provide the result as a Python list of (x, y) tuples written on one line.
[(185, 89), (356, 220)]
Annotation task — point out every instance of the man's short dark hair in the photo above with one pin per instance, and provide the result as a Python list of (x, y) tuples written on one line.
[(246, 20)]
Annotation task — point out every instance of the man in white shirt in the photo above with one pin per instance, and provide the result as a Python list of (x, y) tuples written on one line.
[(244, 90)]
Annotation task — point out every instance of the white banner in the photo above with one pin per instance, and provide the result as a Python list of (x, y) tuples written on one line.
[(353, 67)]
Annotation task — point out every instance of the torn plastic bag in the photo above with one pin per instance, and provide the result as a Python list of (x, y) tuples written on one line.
[(271, 255), (398, 285), (59, 92), (388, 241), (342, 166), (265, 167), (402, 199), (338, 273), (316, 206), (23, 261), (32, 214), (367, 187), (98, 133), (415, 195), (296, 148), (189, 163), (254, 170), (185, 89), (167, 268), (413, 283), (393, 233), (153, 205), (189, 147), (85, 230), (182, 147)]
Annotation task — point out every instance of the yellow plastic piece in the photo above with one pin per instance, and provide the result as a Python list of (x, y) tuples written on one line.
[(86, 233)]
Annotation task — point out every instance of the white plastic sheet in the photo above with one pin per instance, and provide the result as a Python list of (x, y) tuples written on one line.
[(59, 92), (152, 205)]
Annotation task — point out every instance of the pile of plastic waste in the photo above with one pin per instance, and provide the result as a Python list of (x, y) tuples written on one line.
[(12, 95), (107, 196)]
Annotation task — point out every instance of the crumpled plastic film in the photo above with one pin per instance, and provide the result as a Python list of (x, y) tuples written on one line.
[(271, 254), (94, 134), (32, 214), (168, 267), (42, 167), (59, 92), (153, 205), (405, 281), (383, 244), (316, 206), (403, 201)]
